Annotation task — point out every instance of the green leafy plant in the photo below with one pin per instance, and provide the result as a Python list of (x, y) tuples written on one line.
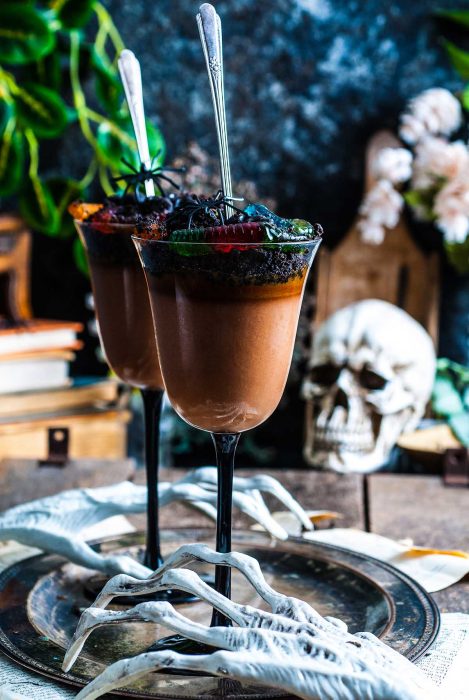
[(450, 397), (49, 50), (458, 56)]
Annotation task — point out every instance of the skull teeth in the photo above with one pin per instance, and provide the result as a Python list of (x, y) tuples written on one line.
[(333, 447), (350, 440)]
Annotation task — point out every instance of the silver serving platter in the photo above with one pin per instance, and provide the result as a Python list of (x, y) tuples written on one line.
[(41, 599)]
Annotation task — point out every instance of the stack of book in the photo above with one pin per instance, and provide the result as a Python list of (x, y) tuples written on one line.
[(37, 394)]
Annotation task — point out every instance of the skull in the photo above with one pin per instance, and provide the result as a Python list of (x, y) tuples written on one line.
[(370, 377)]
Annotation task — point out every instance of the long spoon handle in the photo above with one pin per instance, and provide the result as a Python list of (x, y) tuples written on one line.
[(131, 76), (210, 32)]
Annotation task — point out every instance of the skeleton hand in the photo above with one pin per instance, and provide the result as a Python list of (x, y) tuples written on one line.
[(291, 648), (56, 524), (199, 489)]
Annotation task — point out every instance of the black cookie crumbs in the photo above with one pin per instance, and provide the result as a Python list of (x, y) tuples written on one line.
[(255, 266)]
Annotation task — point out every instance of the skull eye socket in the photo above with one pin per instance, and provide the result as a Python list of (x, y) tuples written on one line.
[(325, 374), (370, 380)]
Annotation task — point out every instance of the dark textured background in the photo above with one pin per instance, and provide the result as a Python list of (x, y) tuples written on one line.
[(308, 81)]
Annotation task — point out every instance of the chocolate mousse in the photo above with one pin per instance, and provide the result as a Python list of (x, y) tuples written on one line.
[(119, 288), (226, 300)]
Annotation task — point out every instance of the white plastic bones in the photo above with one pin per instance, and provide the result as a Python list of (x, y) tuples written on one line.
[(291, 648), (55, 524), (371, 373)]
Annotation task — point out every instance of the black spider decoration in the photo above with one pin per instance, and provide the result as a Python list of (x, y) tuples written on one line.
[(137, 178), (212, 207)]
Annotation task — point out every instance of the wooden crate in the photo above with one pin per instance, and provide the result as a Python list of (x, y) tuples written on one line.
[(95, 435), (396, 271)]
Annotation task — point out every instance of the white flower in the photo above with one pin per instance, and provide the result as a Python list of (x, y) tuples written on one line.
[(411, 129), (393, 164), (382, 204), (371, 233), (452, 210), (380, 209), (436, 158), (434, 111), (455, 228)]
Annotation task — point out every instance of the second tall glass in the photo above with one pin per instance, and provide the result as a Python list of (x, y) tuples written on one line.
[(127, 337)]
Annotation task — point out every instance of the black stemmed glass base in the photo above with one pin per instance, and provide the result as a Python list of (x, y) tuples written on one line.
[(225, 449), (152, 557), (152, 401)]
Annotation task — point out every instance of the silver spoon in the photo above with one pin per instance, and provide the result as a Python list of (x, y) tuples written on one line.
[(131, 76), (210, 32)]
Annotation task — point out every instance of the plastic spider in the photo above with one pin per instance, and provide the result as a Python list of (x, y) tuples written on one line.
[(137, 178), (213, 207)]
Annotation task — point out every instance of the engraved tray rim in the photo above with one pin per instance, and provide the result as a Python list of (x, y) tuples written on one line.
[(340, 556)]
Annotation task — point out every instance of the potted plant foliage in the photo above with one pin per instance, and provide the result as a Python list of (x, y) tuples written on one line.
[(58, 71)]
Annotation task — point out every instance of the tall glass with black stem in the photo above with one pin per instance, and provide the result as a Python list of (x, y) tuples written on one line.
[(225, 316), (126, 332), (152, 402)]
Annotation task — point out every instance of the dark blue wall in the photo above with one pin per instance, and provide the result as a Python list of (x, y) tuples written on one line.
[(307, 82)]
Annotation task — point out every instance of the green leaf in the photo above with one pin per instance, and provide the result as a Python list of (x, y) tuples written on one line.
[(42, 110), (108, 86), (459, 59), (458, 255), (459, 424), (25, 36), (38, 208), (11, 162), (79, 255), (72, 14), (7, 110), (72, 114), (110, 146), (421, 201), (64, 190), (457, 16), (445, 398), (113, 148), (465, 98), (156, 143), (48, 71)]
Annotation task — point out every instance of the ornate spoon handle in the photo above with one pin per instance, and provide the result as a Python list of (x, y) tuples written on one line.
[(129, 69), (211, 37)]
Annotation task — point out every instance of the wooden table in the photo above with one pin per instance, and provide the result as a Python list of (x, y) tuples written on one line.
[(396, 506), (431, 514), (312, 489)]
